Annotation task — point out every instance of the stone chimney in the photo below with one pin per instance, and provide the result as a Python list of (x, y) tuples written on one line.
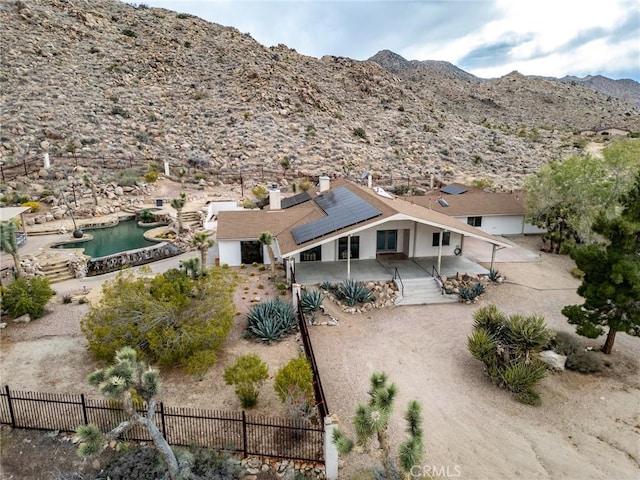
[(325, 184), (274, 200)]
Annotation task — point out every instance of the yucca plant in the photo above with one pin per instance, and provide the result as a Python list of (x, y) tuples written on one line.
[(528, 333), (519, 376), (271, 320), (482, 345), (352, 291), (490, 319)]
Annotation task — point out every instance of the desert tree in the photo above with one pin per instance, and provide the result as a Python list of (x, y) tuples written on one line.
[(170, 319), (266, 239), (9, 243), (261, 193), (178, 204), (285, 164), (611, 282), (120, 381), (202, 242), (191, 267), (89, 182), (564, 197), (371, 422)]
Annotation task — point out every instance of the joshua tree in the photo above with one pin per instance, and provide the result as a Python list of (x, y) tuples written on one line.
[(10, 244), (266, 239), (202, 242), (118, 382), (285, 163), (191, 266), (261, 193), (371, 422), (182, 173), (178, 204)]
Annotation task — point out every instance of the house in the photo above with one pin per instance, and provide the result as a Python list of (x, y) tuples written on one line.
[(342, 224), (493, 213)]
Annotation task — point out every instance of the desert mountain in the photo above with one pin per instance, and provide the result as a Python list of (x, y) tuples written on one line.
[(151, 84)]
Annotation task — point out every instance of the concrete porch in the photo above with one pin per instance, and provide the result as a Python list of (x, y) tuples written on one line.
[(313, 273)]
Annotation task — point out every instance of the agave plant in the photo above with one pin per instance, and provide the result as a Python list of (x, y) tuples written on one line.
[(311, 301), (353, 291), (271, 320), (494, 275)]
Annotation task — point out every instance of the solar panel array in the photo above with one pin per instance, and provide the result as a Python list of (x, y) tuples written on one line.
[(295, 200), (453, 190), (343, 208)]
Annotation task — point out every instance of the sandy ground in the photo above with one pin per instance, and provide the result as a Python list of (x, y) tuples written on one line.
[(587, 428)]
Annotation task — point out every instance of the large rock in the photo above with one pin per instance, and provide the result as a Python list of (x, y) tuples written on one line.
[(554, 360)]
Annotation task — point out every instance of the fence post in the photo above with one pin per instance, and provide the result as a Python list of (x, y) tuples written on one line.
[(84, 409), (24, 164), (330, 451), (244, 435), (11, 414), (164, 426), (2, 171)]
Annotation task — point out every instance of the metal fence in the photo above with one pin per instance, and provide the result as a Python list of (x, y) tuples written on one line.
[(321, 401), (232, 431)]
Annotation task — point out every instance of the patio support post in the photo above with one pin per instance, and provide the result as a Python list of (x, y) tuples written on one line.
[(493, 255), (348, 257), (440, 250)]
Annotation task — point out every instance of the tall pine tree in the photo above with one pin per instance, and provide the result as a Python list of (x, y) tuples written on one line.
[(611, 282)]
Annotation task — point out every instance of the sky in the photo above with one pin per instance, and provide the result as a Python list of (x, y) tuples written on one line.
[(488, 38)]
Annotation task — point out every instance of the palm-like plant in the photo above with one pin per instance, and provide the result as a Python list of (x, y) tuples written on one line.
[(202, 242), (178, 204), (191, 267), (266, 239), (371, 421), (10, 244)]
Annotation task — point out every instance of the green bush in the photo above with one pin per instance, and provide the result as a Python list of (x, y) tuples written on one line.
[(129, 33), (490, 319), (271, 320), (26, 295), (146, 216), (584, 361), (247, 375), (67, 299), (359, 132), (172, 319), (529, 397), (295, 379), (151, 176), (566, 344), (482, 345)]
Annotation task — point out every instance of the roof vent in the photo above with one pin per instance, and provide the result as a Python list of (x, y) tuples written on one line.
[(443, 202)]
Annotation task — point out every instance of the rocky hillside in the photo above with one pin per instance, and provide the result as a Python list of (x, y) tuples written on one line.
[(106, 78), (625, 89)]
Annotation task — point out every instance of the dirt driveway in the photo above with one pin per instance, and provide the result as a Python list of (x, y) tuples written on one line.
[(587, 428)]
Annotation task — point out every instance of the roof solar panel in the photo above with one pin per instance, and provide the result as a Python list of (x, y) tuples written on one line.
[(295, 200), (343, 208)]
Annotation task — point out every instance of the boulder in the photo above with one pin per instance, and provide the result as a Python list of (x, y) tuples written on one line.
[(554, 360)]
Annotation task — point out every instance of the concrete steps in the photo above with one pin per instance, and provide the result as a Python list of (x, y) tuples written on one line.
[(423, 291), (57, 271)]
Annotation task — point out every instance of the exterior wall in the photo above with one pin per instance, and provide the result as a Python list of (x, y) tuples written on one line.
[(530, 229), (276, 253), (424, 240), (499, 224), (229, 251)]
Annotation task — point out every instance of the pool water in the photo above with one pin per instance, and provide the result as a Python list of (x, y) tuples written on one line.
[(127, 235)]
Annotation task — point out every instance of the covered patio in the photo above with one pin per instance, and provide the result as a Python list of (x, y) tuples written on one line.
[(313, 273)]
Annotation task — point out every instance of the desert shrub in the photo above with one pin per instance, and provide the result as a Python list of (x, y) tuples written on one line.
[(140, 463), (172, 319), (566, 344), (129, 33), (272, 319), (126, 178), (211, 465), (14, 198), (353, 291), (247, 375), (151, 176), (506, 344), (294, 382), (146, 216), (584, 361), (67, 299), (34, 206), (359, 132), (26, 295)]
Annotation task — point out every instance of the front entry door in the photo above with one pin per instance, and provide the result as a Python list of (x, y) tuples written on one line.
[(386, 241)]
